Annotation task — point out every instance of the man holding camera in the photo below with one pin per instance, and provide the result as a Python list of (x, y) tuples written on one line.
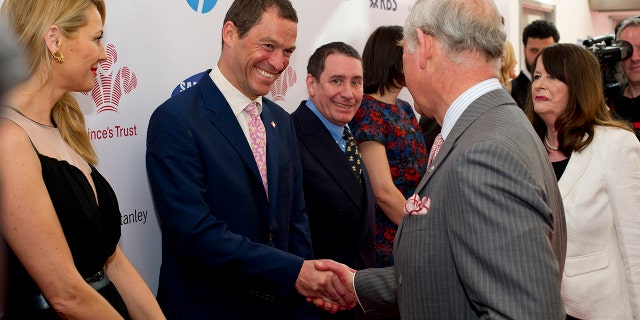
[(627, 103)]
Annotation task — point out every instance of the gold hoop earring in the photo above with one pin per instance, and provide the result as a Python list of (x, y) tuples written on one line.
[(58, 57)]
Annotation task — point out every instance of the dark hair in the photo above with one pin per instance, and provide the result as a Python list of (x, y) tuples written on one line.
[(382, 60), (540, 29), (245, 14), (316, 61), (579, 69)]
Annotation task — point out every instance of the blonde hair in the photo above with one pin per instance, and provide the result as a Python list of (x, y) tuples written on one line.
[(30, 19), (508, 64)]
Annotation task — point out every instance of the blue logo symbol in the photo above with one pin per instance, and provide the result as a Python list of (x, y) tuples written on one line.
[(188, 83), (202, 6)]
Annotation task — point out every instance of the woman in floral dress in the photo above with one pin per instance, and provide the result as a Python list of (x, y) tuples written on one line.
[(388, 136)]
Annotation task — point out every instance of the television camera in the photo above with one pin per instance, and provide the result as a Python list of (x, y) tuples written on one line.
[(609, 53)]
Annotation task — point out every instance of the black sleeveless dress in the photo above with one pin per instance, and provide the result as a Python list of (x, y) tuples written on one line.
[(92, 231)]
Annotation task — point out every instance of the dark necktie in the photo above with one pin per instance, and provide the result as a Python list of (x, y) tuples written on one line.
[(352, 152)]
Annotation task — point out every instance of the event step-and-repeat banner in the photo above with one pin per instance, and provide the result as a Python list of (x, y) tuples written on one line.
[(156, 49)]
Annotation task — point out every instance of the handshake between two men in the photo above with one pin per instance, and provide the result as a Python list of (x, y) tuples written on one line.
[(327, 284)]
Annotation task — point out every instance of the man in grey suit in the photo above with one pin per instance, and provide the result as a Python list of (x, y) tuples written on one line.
[(486, 237)]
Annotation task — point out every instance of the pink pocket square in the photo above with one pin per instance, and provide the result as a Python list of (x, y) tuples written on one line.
[(416, 206)]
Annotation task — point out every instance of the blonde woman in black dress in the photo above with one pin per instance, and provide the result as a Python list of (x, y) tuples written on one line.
[(58, 215)]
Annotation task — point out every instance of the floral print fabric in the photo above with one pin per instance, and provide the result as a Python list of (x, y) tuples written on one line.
[(396, 127)]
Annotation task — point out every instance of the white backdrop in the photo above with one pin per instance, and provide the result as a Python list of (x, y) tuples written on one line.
[(155, 47)]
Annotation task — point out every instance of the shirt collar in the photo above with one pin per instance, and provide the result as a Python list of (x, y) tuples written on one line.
[(236, 99), (527, 73), (464, 100), (335, 130)]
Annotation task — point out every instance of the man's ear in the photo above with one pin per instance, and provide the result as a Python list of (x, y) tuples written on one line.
[(53, 39), (229, 32), (425, 45), (311, 81)]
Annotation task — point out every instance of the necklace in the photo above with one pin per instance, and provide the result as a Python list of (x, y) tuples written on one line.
[(548, 144), (36, 122)]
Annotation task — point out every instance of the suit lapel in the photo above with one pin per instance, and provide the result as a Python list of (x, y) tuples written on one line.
[(474, 110), (225, 121), (472, 113), (576, 167), (273, 145), (319, 141)]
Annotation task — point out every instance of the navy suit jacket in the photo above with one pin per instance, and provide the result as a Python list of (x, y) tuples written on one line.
[(341, 209), (227, 251)]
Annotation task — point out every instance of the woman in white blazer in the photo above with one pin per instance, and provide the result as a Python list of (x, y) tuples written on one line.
[(597, 163)]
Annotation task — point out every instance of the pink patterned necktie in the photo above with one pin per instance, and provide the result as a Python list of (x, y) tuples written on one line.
[(258, 141), (435, 148)]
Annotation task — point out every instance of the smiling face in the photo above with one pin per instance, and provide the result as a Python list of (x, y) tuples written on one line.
[(82, 52), (256, 60), (550, 95), (338, 92)]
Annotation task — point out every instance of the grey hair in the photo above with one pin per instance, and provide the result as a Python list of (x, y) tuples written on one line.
[(12, 61), (628, 22), (459, 25)]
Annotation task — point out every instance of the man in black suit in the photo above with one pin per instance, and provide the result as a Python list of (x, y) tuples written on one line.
[(337, 190), (536, 36)]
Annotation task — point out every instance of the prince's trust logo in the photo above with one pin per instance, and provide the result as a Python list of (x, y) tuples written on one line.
[(110, 84), (285, 81), (108, 87)]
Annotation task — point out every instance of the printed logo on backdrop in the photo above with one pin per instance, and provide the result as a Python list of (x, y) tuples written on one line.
[(202, 6), (388, 5), (137, 216), (187, 83), (110, 84), (285, 81)]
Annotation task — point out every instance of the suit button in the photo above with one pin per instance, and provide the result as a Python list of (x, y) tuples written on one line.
[(340, 212)]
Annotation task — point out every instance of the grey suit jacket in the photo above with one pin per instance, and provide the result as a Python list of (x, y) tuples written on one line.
[(493, 243)]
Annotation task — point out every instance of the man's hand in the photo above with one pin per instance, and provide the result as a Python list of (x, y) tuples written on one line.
[(324, 288), (344, 274)]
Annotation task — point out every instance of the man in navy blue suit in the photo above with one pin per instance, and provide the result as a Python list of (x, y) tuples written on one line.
[(233, 247)]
